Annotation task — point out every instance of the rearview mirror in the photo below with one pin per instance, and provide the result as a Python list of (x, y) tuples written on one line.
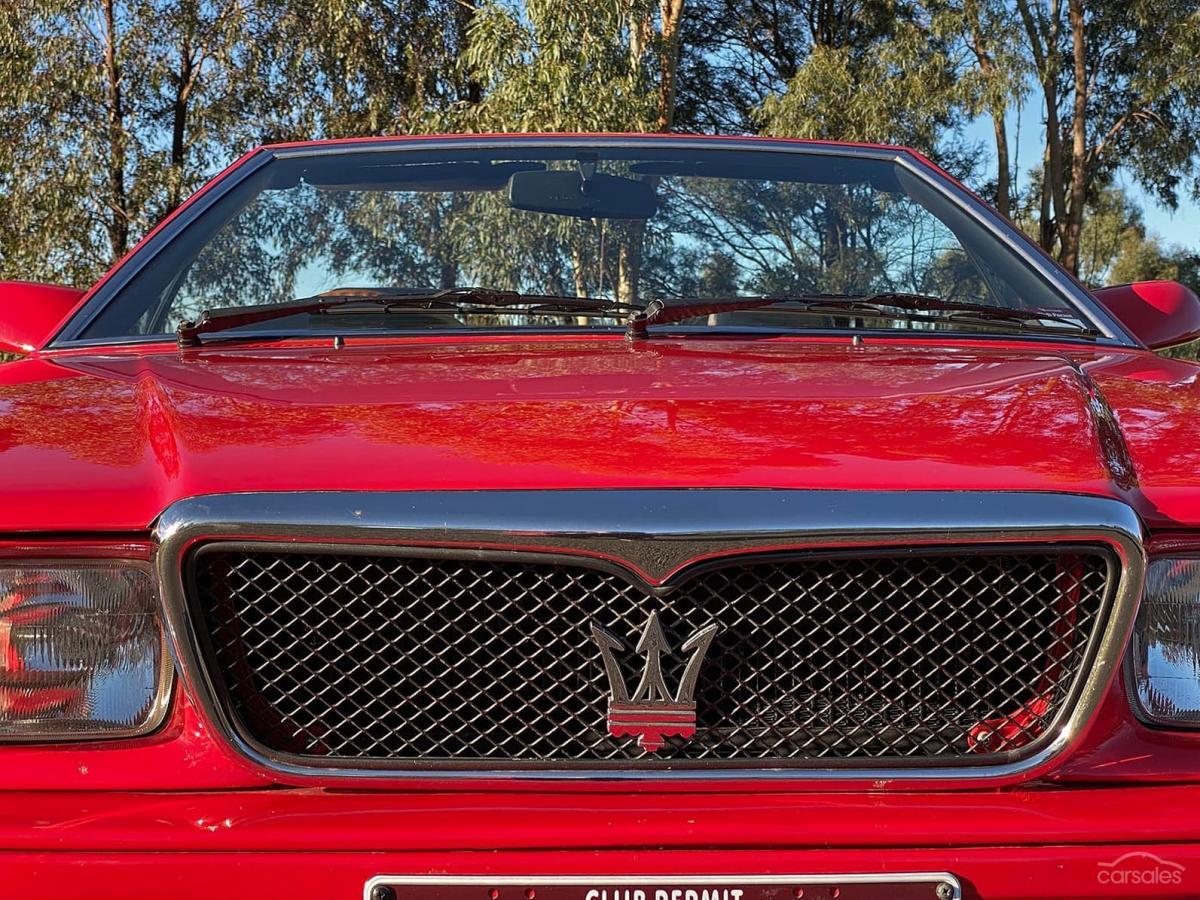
[(334, 174), (31, 313), (570, 194), (1159, 313)]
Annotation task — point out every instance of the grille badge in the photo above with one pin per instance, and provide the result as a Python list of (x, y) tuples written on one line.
[(652, 714)]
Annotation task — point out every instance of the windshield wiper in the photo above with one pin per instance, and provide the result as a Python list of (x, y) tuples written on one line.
[(466, 299), (885, 304)]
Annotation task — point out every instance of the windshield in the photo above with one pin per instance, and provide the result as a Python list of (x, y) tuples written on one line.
[(624, 224)]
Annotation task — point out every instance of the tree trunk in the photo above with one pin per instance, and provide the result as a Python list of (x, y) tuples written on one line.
[(1045, 214), (470, 91), (629, 265), (834, 239), (640, 30), (1003, 179), (1056, 177), (1072, 227), (118, 218), (1044, 48), (671, 12), (1003, 176), (578, 269), (179, 113)]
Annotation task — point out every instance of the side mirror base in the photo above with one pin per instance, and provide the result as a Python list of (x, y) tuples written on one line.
[(30, 313)]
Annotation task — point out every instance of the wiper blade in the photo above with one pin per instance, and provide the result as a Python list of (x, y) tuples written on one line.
[(926, 303), (460, 298), (885, 304)]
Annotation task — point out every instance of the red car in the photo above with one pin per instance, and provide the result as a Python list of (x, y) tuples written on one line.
[(597, 518)]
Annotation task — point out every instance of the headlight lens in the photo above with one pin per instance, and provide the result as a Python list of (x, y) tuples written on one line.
[(82, 651), (1166, 644)]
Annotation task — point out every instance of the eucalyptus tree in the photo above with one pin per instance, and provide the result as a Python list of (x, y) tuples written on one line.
[(602, 65), (341, 68), (1120, 89), (741, 52), (113, 111), (993, 79), (901, 87), (554, 66)]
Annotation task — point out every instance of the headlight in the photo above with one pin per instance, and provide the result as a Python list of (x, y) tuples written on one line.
[(1166, 645), (82, 651)]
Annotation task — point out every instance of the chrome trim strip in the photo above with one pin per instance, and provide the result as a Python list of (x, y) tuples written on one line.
[(675, 527), (1002, 230), (607, 880)]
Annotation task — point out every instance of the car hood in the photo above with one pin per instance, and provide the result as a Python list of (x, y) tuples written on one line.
[(106, 442)]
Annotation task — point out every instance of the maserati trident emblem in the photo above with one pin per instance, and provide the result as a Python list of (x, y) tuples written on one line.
[(652, 714)]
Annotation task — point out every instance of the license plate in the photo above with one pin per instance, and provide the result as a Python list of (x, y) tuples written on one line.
[(896, 886)]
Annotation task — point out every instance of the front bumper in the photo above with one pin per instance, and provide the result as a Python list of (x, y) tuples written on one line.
[(1058, 872), (1072, 842)]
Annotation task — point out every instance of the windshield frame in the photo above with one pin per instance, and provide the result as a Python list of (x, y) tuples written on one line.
[(1073, 293)]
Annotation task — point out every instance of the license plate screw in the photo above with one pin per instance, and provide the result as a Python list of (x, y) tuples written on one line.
[(382, 892), (944, 890)]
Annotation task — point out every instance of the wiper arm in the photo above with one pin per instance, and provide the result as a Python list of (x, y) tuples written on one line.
[(886, 304), (460, 298), (926, 303)]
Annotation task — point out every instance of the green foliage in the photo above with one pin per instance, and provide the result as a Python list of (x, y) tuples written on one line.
[(1113, 225), (1143, 103), (554, 66), (904, 91), (1143, 258), (112, 111), (342, 68), (1117, 249), (1120, 91)]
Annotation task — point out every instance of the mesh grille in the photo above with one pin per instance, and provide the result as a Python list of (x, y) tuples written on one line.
[(396, 658)]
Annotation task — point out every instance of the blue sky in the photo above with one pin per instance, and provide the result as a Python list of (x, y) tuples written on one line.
[(1180, 227)]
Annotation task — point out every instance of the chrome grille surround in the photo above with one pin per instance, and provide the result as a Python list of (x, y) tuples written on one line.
[(581, 530)]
